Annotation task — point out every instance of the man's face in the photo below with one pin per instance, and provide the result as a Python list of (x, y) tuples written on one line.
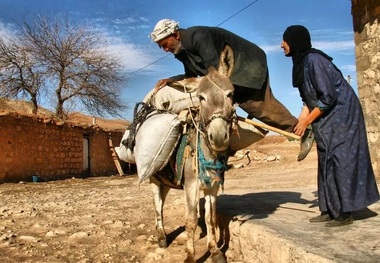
[(170, 43)]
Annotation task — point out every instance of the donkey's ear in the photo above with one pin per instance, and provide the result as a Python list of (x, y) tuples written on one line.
[(226, 62)]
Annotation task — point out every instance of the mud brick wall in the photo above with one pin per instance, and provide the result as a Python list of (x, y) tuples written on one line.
[(100, 155), (31, 146), (366, 22)]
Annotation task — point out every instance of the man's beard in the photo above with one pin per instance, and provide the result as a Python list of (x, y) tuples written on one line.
[(178, 49)]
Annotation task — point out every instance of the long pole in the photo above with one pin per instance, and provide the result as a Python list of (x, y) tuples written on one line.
[(270, 128)]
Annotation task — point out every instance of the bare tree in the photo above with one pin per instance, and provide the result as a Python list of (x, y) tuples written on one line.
[(19, 74), (73, 61)]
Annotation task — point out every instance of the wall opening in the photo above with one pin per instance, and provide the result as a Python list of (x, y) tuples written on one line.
[(86, 156)]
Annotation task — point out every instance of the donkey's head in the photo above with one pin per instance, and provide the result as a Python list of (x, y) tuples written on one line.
[(215, 92)]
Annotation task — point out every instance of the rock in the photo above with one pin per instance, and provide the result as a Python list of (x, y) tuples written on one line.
[(50, 234), (118, 224), (29, 238), (153, 256), (142, 237), (256, 158), (270, 158), (79, 235), (238, 166)]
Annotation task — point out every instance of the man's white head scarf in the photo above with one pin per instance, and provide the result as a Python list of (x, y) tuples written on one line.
[(164, 28)]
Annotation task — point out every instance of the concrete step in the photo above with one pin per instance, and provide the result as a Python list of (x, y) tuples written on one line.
[(273, 226)]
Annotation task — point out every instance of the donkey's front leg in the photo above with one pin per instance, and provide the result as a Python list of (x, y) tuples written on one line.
[(192, 199), (211, 223), (159, 194)]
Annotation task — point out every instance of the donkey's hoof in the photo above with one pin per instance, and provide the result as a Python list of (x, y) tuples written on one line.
[(162, 243), (218, 258)]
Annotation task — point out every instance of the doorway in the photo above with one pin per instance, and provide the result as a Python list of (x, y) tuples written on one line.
[(86, 156)]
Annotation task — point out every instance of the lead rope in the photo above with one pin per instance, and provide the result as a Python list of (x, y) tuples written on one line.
[(189, 109), (214, 83), (219, 165), (196, 166), (195, 159)]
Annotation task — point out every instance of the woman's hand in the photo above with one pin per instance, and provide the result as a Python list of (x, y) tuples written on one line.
[(301, 127), (306, 118)]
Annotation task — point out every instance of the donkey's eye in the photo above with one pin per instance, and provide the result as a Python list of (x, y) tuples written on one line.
[(230, 95)]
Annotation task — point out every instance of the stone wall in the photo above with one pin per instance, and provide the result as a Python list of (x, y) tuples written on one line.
[(32, 146), (366, 22)]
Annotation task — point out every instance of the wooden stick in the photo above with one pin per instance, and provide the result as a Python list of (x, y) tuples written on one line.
[(115, 157), (270, 128)]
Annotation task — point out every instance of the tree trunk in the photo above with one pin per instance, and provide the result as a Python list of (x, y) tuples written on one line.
[(59, 110), (34, 105)]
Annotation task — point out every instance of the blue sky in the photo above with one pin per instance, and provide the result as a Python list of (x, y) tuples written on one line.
[(127, 23)]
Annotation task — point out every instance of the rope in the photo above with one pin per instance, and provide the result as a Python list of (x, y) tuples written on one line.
[(214, 83), (139, 116), (189, 109), (219, 165)]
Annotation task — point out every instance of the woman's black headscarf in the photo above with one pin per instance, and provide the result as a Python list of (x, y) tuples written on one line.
[(299, 41)]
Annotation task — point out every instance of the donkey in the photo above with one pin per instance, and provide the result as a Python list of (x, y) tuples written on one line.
[(206, 157)]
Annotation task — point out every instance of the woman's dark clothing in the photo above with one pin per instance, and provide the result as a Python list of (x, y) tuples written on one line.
[(201, 48), (346, 181)]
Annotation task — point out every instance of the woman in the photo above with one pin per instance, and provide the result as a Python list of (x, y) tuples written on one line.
[(346, 182)]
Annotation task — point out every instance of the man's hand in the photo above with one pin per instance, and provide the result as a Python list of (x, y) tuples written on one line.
[(162, 83)]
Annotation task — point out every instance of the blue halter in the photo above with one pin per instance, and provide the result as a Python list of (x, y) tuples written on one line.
[(219, 164)]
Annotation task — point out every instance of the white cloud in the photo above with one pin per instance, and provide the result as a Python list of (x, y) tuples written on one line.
[(131, 56), (349, 68), (126, 21), (7, 31), (326, 46), (334, 45), (271, 48)]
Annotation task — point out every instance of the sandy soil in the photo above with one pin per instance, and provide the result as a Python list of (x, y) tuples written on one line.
[(111, 219)]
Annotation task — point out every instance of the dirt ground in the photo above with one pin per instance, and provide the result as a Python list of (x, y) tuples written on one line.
[(111, 219)]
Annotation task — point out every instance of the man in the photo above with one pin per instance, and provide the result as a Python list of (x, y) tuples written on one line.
[(199, 47)]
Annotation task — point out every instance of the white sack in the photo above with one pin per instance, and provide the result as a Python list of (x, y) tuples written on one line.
[(247, 135), (155, 142), (171, 99), (123, 152)]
